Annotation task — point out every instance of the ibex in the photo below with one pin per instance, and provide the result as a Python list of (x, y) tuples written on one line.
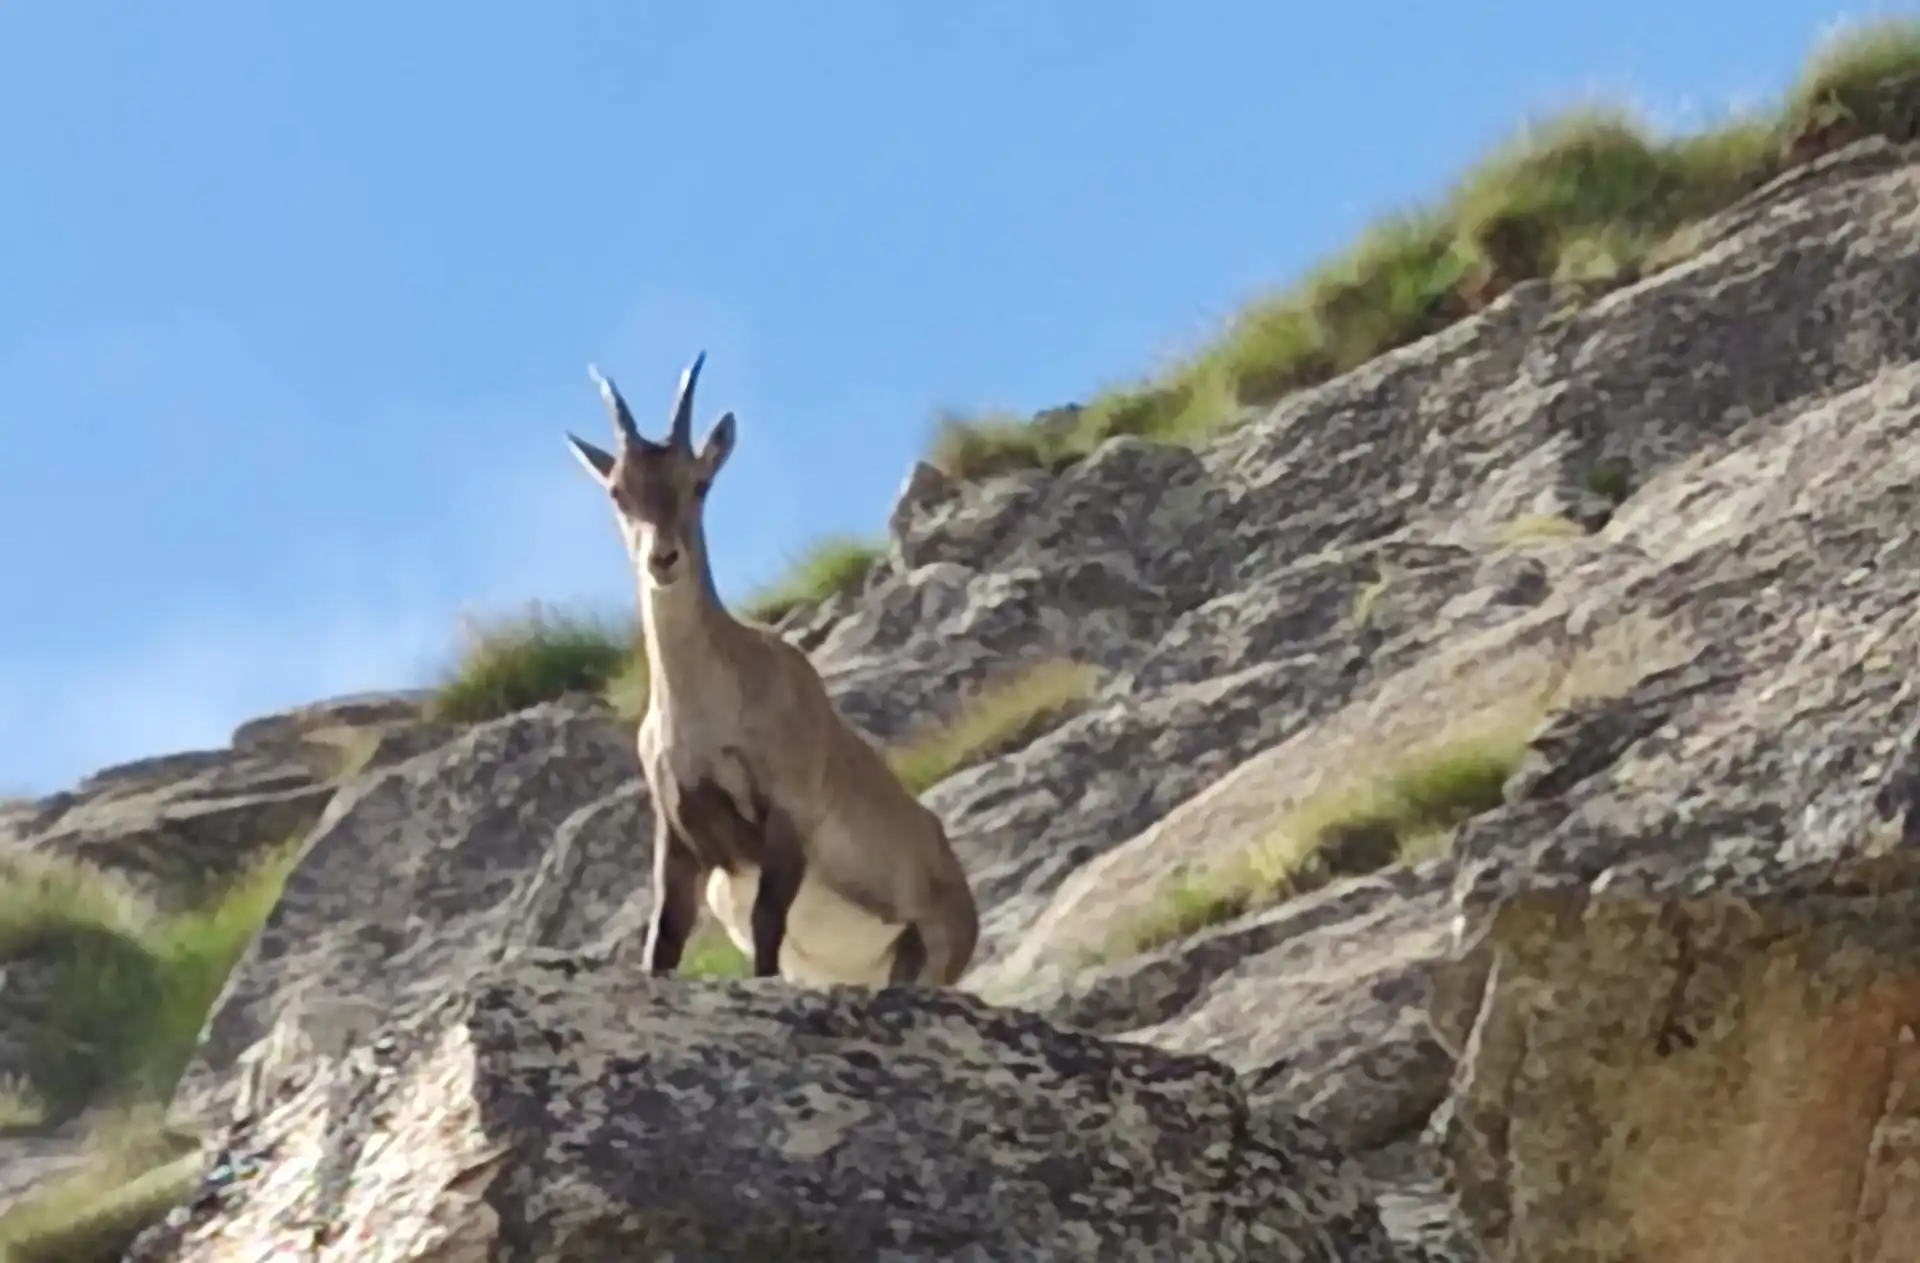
[(817, 860)]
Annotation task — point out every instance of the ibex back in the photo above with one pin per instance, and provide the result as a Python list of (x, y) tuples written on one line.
[(817, 860)]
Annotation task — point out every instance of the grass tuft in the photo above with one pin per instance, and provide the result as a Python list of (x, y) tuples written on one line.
[(1864, 80), (1000, 717), (1590, 199), (985, 447), (118, 993), (1399, 817), (509, 664), (712, 955), (113, 1008), (829, 567)]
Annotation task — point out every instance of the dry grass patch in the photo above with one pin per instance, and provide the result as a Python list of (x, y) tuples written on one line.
[(1401, 816), (342, 752), (1587, 200), (1000, 717), (1541, 526)]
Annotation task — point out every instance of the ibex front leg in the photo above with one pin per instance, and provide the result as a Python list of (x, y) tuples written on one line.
[(676, 898), (783, 868)]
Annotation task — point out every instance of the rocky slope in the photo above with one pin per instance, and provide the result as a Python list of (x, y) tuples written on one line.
[(1659, 1004)]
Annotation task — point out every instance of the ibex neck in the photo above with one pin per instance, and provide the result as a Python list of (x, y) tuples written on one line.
[(685, 627)]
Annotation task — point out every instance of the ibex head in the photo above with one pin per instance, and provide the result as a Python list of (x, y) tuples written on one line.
[(659, 490)]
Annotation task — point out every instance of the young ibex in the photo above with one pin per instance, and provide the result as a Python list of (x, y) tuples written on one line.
[(815, 858)]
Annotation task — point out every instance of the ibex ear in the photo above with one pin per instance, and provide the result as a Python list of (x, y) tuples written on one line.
[(719, 445), (599, 463)]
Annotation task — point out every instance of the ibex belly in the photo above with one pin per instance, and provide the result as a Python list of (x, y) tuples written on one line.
[(828, 939)]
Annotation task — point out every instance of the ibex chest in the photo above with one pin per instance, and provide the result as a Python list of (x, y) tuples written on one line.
[(704, 782), (693, 738)]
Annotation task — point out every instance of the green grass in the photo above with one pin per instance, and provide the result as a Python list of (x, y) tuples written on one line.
[(128, 992), (129, 988), (836, 564), (1591, 199), (1000, 717), (136, 1171), (1611, 480), (1402, 816), (509, 664), (712, 955), (982, 447)]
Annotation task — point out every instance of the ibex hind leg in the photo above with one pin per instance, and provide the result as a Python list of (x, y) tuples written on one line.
[(935, 950), (909, 957)]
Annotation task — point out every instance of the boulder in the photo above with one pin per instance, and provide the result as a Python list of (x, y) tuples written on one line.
[(567, 1108)]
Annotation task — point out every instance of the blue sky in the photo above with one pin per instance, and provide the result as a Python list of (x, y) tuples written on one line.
[(298, 297)]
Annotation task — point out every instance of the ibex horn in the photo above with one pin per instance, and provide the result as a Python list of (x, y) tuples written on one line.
[(681, 435), (616, 407)]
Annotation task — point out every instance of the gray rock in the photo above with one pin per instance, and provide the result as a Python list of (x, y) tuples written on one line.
[(910, 656), (569, 1110), (357, 710), (397, 742), (179, 826), (1686, 986), (1734, 723), (424, 873), (1350, 965), (924, 488)]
